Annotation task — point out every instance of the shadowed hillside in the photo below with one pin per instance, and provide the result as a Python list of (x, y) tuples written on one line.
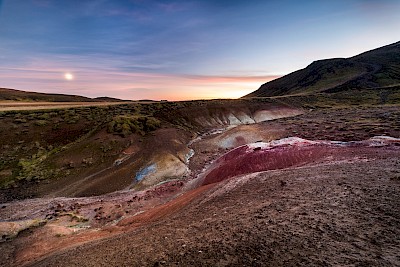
[(373, 69), (18, 95)]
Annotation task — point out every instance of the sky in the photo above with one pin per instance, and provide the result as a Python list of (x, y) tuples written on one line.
[(183, 49)]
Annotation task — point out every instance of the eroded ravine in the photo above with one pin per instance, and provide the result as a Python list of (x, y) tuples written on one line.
[(71, 222)]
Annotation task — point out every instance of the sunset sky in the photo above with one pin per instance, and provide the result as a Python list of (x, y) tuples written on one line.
[(176, 50)]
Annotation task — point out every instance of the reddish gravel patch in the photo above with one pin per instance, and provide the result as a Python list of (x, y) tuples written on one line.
[(168, 208), (245, 160), (284, 153), (43, 242)]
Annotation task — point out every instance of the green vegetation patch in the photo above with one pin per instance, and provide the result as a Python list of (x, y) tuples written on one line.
[(31, 168), (40, 122), (125, 125)]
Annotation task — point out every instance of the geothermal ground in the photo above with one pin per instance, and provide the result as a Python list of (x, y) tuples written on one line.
[(317, 189)]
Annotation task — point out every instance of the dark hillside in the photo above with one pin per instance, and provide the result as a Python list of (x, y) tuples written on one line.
[(18, 95), (373, 69), (25, 96)]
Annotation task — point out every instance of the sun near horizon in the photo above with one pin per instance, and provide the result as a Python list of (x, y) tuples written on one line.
[(69, 76)]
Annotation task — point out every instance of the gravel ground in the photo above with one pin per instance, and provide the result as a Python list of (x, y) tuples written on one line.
[(336, 213)]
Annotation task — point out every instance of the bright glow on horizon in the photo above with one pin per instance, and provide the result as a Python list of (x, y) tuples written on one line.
[(68, 76)]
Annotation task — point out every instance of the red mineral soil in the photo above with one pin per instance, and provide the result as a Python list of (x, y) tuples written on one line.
[(282, 154), (285, 202), (53, 237), (67, 222)]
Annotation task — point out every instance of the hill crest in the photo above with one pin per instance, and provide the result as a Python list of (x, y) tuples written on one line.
[(19, 95), (376, 68)]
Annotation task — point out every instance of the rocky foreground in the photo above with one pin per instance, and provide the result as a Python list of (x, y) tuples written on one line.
[(288, 202)]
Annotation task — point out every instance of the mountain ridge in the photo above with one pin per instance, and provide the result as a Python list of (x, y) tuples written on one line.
[(375, 68)]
